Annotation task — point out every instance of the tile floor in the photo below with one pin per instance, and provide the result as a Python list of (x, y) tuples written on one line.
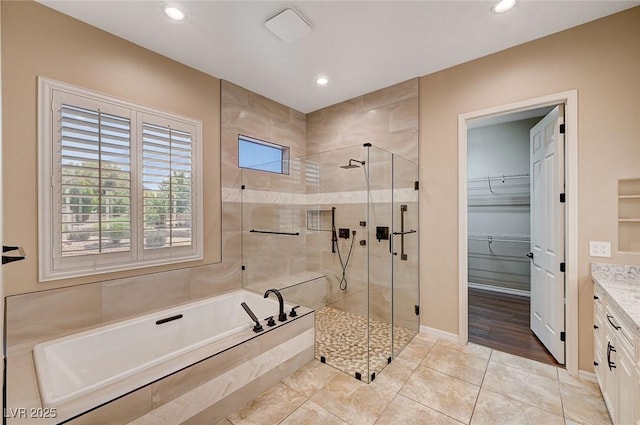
[(433, 381)]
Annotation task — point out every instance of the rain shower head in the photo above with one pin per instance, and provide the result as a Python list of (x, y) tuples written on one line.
[(352, 165)]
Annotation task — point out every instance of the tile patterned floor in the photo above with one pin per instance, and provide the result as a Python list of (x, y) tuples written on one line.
[(433, 381), (341, 338)]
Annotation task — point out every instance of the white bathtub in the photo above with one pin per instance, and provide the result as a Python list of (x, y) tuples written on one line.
[(78, 364)]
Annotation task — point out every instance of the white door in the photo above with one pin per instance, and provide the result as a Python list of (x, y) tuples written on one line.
[(547, 232)]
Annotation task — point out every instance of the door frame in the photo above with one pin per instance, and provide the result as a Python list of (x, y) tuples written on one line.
[(570, 101)]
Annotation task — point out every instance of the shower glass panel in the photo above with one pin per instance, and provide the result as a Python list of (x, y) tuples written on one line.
[(274, 225), (380, 195), (324, 236), (406, 284)]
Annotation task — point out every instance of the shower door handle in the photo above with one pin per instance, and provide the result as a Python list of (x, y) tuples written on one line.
[(403, 255)]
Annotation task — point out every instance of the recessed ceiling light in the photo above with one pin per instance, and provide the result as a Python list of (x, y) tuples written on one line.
[(503, 6), (322, 81), (174, 13)]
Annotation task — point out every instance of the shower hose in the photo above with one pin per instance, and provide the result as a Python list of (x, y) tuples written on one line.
[(344, 264)]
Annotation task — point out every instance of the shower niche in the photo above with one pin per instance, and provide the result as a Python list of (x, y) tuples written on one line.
[(314, 234)]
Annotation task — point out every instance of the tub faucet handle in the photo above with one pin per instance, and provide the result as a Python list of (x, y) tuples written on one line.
[(293, 312), (270, 321)]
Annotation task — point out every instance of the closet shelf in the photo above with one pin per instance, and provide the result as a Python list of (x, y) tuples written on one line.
[(496, 191), (498, 204), (491, 238), (502, 178), (499, 200)]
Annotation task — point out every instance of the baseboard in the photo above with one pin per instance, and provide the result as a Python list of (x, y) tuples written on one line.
[(499, 289), (587, 376), (451, 337)]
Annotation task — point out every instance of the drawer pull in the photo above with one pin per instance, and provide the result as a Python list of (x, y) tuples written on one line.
[(609, 317), (610, 348)]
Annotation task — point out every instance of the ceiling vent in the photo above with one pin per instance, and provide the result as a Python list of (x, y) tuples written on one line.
[(288, 25)]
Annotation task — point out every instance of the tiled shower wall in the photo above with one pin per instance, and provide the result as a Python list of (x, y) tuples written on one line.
[(267, 196), (388, 119)]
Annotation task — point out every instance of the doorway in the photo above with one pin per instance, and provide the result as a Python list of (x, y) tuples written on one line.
[(499, 219), (568, 298)]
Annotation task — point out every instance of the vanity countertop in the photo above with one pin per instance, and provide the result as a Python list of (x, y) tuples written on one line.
[(622, 287)]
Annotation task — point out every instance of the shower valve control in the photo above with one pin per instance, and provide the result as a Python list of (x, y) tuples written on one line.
[(382, 232), (343, 233)]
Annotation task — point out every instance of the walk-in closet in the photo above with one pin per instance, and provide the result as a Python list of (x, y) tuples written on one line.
[(499, 213)]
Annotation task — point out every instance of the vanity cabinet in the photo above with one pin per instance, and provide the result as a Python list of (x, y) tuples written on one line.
[(616, 361)]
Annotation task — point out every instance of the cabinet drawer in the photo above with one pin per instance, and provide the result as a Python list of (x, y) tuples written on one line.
[(598, 294), (625, 334), (599, 362), (598, 301)]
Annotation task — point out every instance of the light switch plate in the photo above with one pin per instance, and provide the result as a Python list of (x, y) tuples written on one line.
[(599, 249)]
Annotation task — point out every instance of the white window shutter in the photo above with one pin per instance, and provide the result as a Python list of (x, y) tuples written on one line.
[(167, 171), (95, 177), (120, 184)]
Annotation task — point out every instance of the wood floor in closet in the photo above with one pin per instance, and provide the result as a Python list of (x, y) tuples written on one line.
[(501, 321)]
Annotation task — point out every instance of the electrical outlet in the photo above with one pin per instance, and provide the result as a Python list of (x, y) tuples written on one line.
[(599, 249)]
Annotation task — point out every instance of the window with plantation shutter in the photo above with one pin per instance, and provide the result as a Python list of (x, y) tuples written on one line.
[(95, 178), (120, 184), (167, 186)]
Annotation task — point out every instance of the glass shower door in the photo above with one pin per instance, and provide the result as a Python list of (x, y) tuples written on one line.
[(406, 285), (380, 278)]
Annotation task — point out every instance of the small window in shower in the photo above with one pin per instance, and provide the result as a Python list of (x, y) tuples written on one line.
[(260, 155)]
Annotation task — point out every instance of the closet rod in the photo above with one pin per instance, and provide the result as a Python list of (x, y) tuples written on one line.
[(501, 178), (492, 239)]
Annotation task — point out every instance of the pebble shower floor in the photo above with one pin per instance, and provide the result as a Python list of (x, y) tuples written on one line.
[(341, 338)]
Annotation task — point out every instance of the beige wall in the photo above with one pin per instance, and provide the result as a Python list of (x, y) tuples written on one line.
[(37, 41), (601, 60)]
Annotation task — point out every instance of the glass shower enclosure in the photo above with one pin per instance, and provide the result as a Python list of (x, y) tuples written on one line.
[(338, 233)]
